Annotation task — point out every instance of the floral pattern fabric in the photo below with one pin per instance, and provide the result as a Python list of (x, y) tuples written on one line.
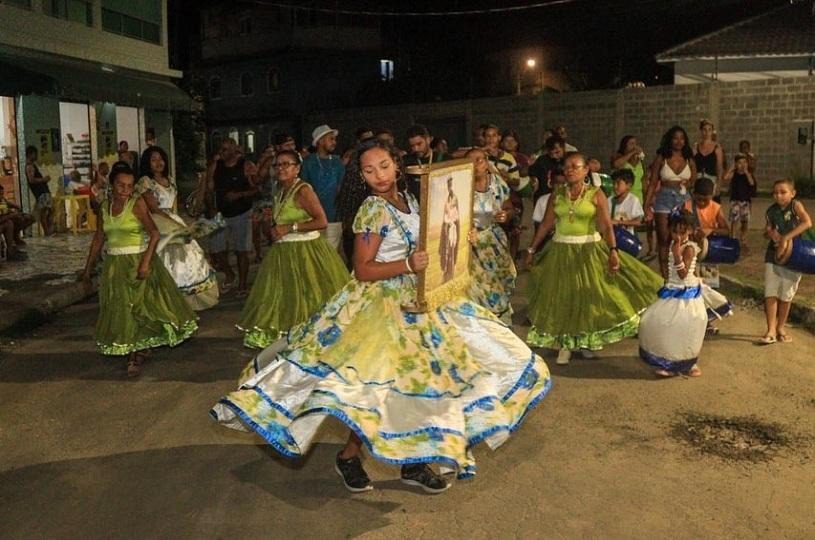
[(415, 387)]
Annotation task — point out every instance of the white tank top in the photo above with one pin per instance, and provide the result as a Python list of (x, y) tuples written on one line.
[(668, 174)]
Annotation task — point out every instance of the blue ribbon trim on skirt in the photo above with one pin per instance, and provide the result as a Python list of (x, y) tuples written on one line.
[(674, 366), (685, 293)]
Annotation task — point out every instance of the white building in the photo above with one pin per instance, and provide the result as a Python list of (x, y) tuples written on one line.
[(77, 77)]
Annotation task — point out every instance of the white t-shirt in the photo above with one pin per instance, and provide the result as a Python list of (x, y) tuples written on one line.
[(540, 208), (629, 209)]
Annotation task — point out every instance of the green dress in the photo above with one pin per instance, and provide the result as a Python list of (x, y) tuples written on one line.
[(299, 273), (574, 302), (136, 314)]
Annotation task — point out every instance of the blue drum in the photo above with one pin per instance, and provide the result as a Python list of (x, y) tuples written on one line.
[(720, 250), (627, 242), (801, 258)]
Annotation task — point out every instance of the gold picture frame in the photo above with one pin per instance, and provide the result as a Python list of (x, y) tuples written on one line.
[(446, 218)]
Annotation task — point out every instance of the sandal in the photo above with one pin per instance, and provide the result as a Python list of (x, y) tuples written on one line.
[(241, 293), (665, 373), (784, 338), (766, 340)]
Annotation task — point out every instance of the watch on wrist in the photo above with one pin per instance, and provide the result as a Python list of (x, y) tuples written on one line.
[(294, 227), (530, 250)]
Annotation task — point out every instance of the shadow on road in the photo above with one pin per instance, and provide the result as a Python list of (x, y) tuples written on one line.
[(184, 492), (213, 359)]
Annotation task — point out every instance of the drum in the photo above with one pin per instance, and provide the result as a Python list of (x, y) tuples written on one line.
[(627, 241), (719, 250), (798, 255)]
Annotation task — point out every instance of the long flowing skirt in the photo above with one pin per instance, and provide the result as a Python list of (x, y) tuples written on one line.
[(575, 303), (717, 304), (189, 268), (416, 388), (293, 281), (672, 329), (136, 314), (492, 272)]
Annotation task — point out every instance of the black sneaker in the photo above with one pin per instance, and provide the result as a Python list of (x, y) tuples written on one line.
[(421, 475), (353, 475)]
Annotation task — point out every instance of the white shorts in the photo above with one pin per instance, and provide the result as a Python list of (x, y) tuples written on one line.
[(780, 282), (333, 234)]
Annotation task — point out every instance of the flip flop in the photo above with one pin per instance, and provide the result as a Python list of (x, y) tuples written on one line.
[(784, 338), (766, 340)]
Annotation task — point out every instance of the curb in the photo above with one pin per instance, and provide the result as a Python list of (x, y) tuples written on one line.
[(40, 312), (800, 313)]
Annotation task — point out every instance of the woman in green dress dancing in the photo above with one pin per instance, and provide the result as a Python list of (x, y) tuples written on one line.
[(140, 306), (583, 292), (301, 271)]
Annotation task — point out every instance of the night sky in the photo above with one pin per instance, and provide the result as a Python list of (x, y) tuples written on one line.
[(609, 42)]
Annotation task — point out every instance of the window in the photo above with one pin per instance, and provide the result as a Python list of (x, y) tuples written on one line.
[(72, 10), (245, 26), (138, 19), (250, 142), (215, 88), (246, 84), (386, 70), (273, 81)]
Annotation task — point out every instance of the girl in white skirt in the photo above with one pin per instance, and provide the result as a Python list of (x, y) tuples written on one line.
[(672, 329)]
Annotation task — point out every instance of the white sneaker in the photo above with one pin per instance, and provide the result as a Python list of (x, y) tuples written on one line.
[(588, 354), (563, 357)]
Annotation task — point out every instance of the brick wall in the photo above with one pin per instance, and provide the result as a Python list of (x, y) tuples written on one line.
[(766, 112)]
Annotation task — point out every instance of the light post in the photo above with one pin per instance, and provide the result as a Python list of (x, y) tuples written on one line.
[(530, 63)]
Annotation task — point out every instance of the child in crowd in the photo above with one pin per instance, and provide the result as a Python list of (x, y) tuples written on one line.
[(742, 190), (624, 207), (744, 148), (672, 329), (558, 178), (710, 220), (786, 219)]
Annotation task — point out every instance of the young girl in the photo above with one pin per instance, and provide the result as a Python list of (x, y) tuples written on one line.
[(414, 388), (786, 219), (672, 329)]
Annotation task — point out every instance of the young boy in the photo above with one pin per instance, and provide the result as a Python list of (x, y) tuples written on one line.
[(786, 219), (557, 179), (624, 207), (742, 190), (711, 220)]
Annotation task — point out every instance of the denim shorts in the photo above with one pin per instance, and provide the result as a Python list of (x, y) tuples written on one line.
[(668, 198)]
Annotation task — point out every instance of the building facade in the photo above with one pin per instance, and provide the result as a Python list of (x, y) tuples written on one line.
[(261, 68), (78, 76)]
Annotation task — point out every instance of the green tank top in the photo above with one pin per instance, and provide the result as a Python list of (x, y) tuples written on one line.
[(575, 218), (286, 210), (124, 230)]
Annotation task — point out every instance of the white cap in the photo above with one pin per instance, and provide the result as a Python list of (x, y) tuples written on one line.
[(320, 132)]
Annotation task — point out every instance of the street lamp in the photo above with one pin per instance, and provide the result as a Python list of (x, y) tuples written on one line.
[(529, 64)]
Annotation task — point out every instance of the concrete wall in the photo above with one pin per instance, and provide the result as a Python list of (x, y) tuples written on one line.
[(34, 29), (766, 112)]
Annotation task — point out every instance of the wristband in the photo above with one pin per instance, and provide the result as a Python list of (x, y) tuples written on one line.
[(407, 265), (613, 248), (530, 250), (294, 227)]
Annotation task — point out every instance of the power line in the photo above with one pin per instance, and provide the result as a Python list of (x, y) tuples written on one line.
[(455, 13)]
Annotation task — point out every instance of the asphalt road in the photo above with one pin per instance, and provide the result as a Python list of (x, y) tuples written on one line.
[(86, 453)]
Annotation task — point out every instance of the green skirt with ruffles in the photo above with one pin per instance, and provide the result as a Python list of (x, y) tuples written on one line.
[(137, 314), (575, 303), (294, 280)]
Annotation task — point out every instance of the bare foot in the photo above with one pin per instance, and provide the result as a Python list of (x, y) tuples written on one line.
[(695, 372)]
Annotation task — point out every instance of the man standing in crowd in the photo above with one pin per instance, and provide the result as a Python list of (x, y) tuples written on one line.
[(560, 131), (325, 171), (233, 199), (419, 139), (38, 183), (503, 161), (545, 165)]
